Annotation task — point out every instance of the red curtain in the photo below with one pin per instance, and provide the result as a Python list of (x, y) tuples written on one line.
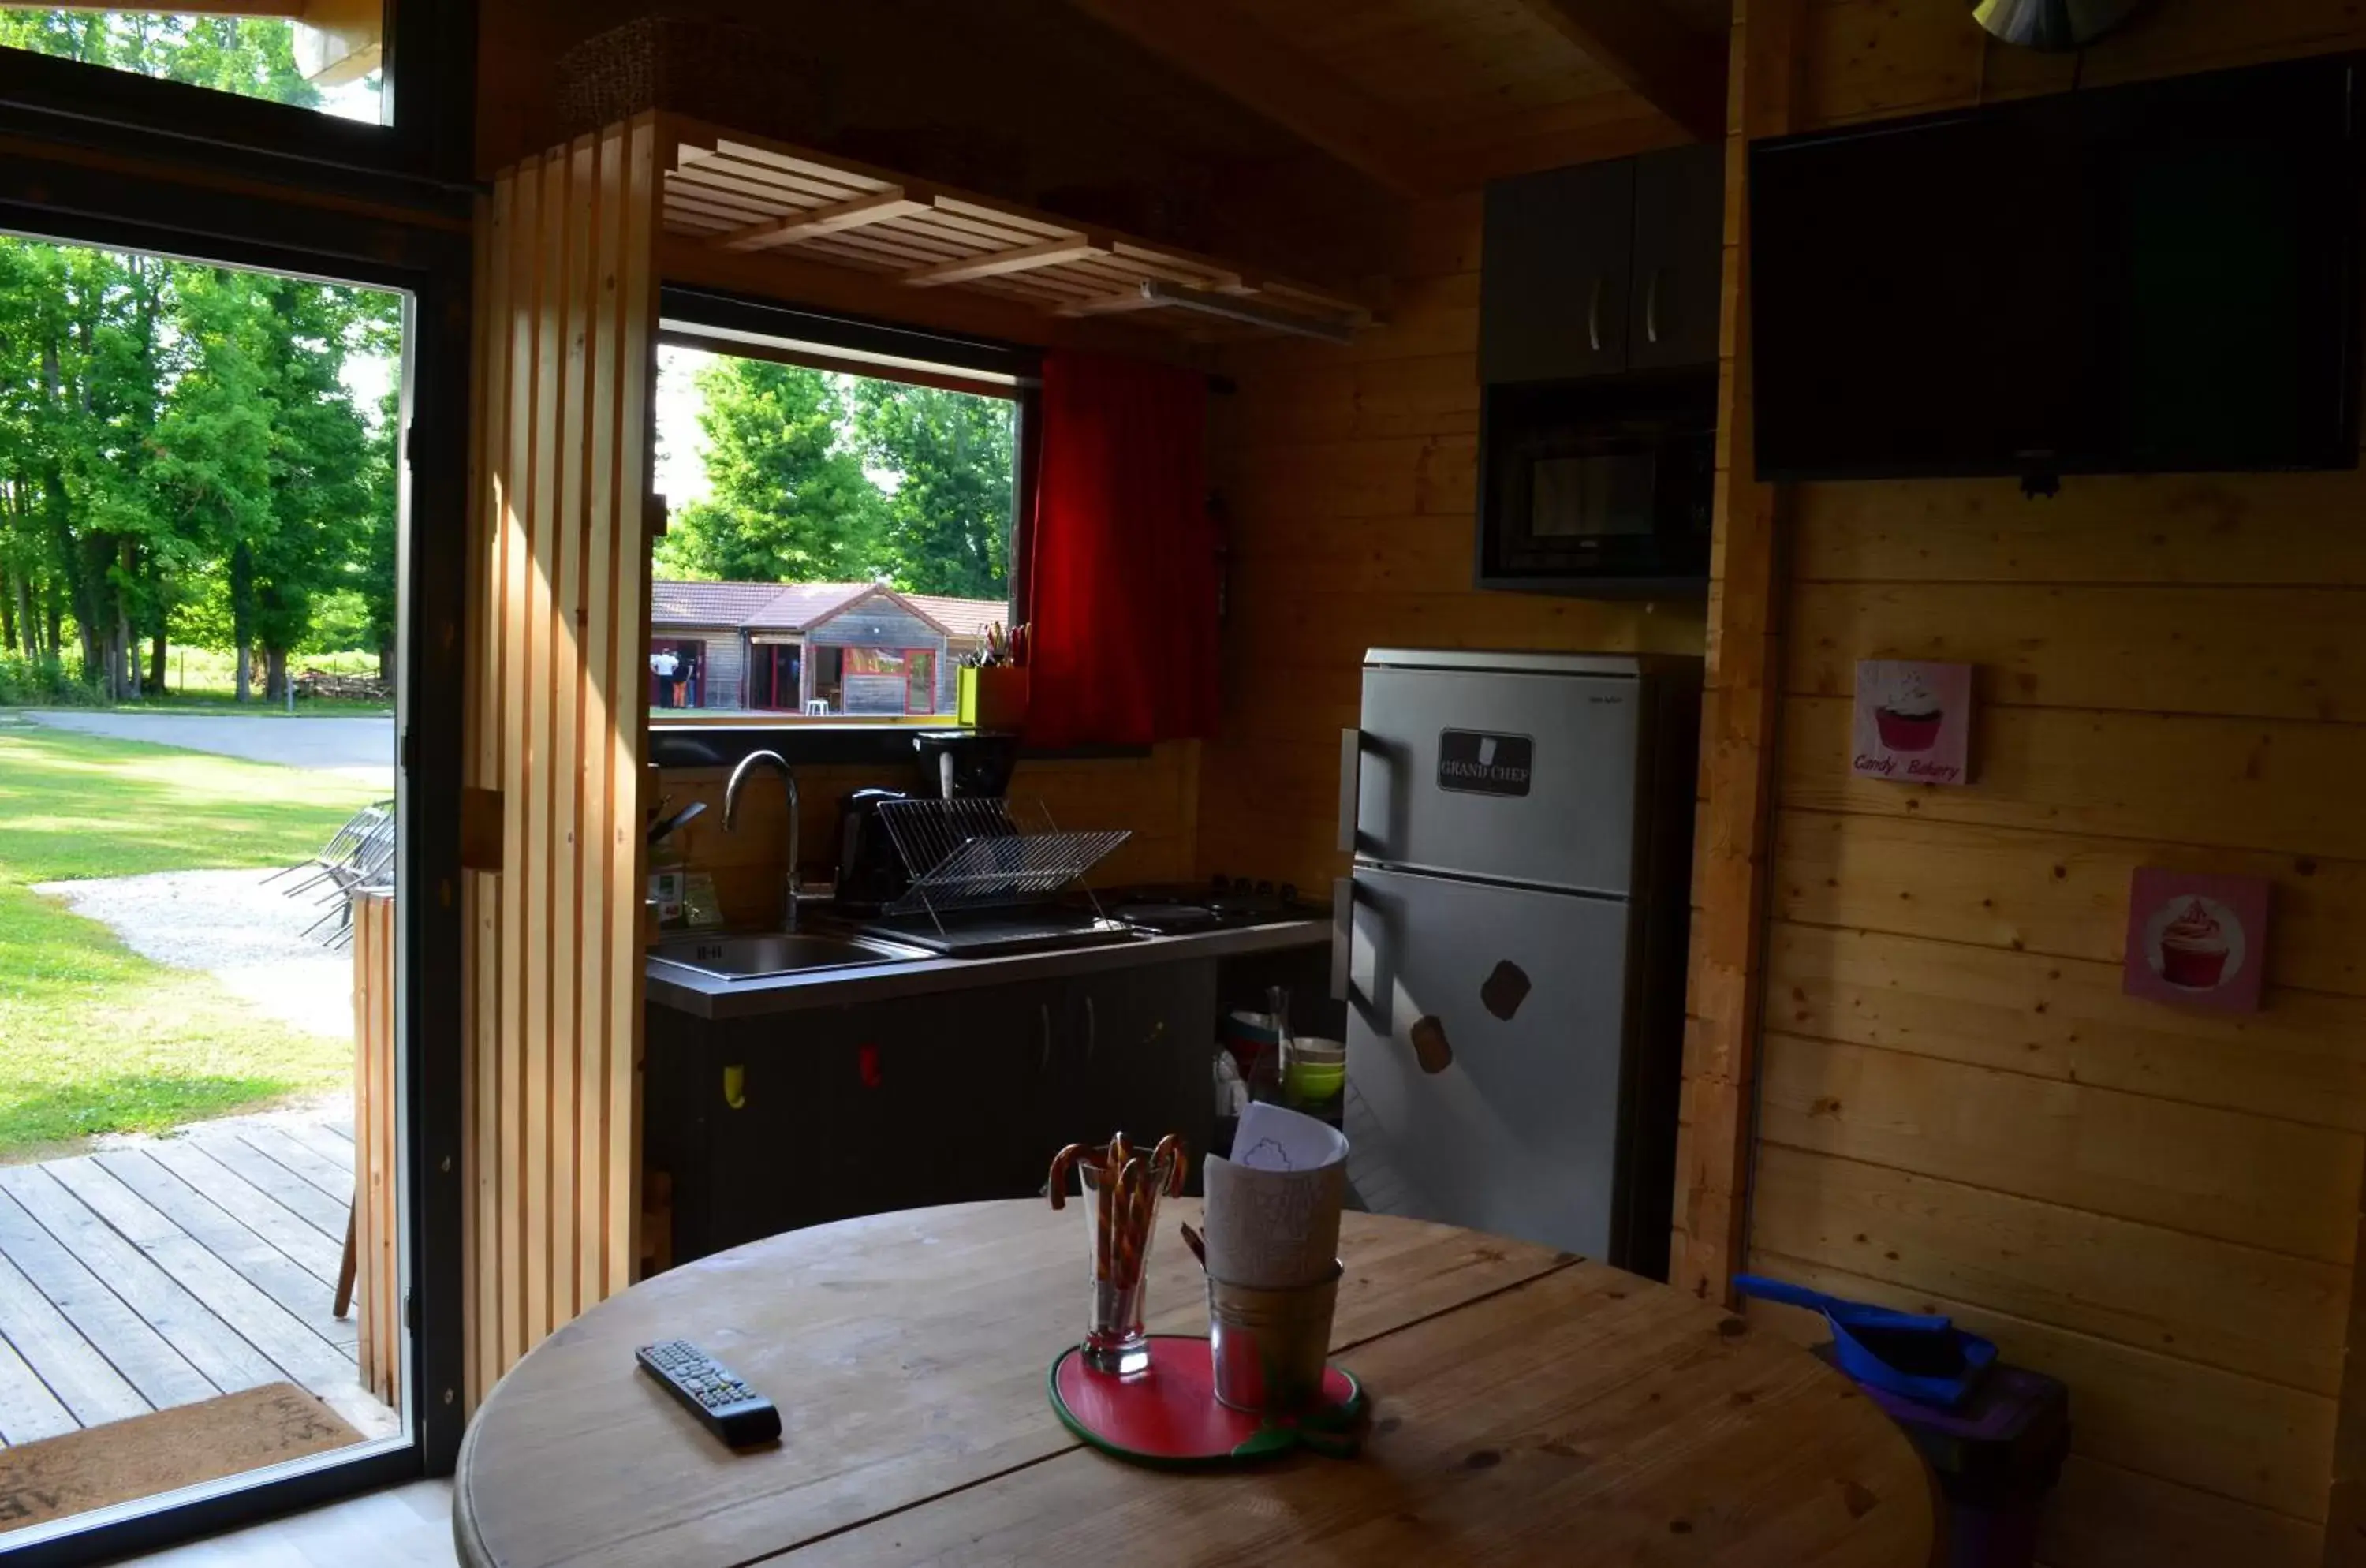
[(1122, 615)]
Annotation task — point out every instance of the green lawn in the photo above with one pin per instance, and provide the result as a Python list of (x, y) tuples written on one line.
[(92, 1037)]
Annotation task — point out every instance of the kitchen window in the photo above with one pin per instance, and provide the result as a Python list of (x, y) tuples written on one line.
[(842, 496)]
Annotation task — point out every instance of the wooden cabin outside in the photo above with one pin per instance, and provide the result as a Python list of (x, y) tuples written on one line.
[(819, 650)]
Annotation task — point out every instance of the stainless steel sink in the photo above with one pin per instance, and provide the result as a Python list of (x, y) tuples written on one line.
[(765, 954)]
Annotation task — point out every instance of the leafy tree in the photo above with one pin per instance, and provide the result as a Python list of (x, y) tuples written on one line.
[(949, 519), (252, 56), (789, 500), (179, 452)]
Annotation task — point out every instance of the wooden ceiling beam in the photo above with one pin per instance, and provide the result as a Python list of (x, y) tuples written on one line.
[(995, 263), (1227, 50), (879, 207), (1676, 71)]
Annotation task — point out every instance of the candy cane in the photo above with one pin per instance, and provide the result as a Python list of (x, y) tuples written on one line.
[(1063, 1164), (1167, 1163), (1130, 1185)]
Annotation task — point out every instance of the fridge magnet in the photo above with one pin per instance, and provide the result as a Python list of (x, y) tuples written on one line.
[(1913, 721), (2197, 938)]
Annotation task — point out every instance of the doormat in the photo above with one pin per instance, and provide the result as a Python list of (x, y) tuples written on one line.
[(181, 1446)]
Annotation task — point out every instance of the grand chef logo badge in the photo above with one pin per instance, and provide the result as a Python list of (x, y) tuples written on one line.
[(1484, 764)]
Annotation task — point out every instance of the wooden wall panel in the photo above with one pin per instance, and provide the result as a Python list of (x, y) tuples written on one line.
[(1959, 1109), (1153, 796), (556, 721), (377, 1231), (2246, 1310), (2272, 1442)]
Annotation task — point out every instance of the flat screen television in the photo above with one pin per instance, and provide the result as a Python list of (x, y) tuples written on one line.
[(2160, 277)]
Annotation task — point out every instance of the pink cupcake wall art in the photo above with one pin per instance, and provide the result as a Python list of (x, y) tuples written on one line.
[(2197, 938), (1913, 722)]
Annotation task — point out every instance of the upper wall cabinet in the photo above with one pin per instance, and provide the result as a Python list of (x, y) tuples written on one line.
[(1557, 257), (1604, 267)]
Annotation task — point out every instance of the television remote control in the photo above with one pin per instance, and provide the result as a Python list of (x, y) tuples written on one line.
[(730, 1409)]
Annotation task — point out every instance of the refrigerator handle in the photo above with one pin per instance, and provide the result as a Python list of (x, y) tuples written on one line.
[(1342, 938), (1351, 785)]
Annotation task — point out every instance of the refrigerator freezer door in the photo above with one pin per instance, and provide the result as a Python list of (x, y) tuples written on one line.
[(1484, 1046), (1517, 777)]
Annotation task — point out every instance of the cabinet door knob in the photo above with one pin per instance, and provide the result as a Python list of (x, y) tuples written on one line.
[(1652, 306), (1594, 316)]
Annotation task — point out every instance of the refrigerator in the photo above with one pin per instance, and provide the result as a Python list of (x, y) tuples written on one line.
[(1510, 943)]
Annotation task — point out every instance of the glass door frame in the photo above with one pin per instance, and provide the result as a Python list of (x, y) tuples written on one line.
[(425, 253)]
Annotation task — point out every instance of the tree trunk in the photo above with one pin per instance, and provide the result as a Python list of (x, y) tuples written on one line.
[(25, 617), (156, 661), (241, 616), (8, 585), (57, 624), (124, 662), (275, 675)]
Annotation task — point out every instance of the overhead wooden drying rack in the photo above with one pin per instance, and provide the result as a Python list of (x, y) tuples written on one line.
[(744, 194)]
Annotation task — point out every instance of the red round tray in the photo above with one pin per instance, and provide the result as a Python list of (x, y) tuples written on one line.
[(1168, 1415)]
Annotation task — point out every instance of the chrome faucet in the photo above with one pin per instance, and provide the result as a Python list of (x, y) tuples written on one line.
[(731, 821)]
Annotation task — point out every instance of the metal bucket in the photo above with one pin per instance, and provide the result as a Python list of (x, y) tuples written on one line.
[(1270, 1346)]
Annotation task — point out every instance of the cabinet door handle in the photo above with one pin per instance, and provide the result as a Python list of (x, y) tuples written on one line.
[(1092, 1031), (1594, 316), (1046, 1010), (1652, 306)]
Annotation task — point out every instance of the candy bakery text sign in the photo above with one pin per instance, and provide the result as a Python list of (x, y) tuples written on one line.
[(1913, 722)]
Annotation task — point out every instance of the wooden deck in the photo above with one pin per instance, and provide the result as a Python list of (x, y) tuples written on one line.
[(164, 1271)]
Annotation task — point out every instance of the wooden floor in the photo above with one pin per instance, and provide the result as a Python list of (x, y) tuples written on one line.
[(403, 1526), (164, 1271)]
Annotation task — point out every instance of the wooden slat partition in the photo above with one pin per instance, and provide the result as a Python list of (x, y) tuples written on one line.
[(1958, 1108), (378, 1255), (556, 723)]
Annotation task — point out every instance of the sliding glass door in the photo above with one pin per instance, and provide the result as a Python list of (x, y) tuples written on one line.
[(230, 493)]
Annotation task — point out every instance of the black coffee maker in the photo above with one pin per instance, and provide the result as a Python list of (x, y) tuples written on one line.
[(949, 765)]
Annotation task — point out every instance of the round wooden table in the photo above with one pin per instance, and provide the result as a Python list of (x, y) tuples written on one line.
[(1528, 1408)]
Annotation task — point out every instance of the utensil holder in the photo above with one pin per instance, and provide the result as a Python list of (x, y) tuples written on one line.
[(992, 696), (1269, 1347)]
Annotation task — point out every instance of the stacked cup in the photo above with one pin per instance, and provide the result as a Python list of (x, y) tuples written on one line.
[(1273, 1258)]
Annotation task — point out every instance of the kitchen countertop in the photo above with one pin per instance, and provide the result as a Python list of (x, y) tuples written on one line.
[(706, 997)]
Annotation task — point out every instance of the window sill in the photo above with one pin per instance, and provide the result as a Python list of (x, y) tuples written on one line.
[(885, 743)]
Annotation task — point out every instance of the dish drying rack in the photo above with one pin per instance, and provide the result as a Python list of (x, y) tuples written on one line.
[(982, 853)]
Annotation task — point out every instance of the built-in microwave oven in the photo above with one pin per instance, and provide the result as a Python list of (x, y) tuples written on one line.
[(1600, 488)]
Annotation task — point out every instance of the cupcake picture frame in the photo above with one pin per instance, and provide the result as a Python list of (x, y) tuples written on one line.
[(2196, 939), (1913, 722)]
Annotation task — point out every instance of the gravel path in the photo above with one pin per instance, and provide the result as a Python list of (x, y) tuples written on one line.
[(358, 747), (228, 924)]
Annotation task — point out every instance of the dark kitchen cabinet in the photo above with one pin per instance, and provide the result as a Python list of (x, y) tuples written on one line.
[(1603, 268), (770, 1123), (1136, 1056), (1679, 258), (1558, 252)]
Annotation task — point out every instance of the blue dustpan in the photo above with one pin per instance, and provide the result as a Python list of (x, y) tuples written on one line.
[(1924, 1358)]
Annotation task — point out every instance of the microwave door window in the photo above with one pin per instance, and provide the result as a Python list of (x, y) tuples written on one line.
[(1594, 496)]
